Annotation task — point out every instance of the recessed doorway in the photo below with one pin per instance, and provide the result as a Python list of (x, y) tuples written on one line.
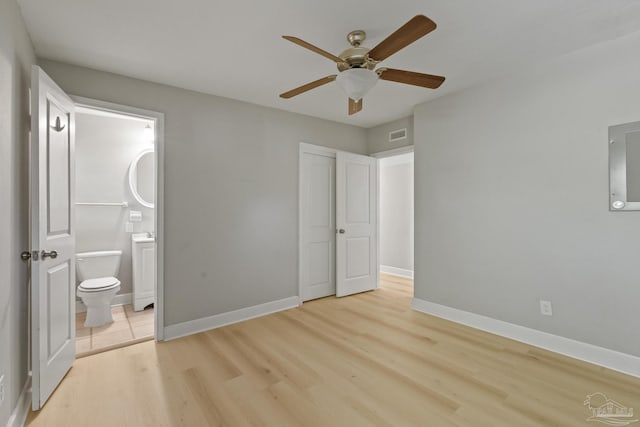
[(114, 226), (396, 215), (396, 218)]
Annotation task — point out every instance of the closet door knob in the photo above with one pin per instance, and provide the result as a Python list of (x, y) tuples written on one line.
[(341, 231)]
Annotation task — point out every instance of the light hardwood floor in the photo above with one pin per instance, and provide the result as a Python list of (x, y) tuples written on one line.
[(363, 360)]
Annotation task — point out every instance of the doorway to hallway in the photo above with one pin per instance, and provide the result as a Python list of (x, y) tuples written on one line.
[(396, 198)]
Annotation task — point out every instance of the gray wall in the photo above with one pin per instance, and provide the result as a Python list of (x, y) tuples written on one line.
[(16, 58), (378, 136), (396, 211), (512, 199), (231, 185), (105, 148)]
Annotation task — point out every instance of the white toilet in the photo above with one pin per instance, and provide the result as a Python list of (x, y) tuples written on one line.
[(98, 284)]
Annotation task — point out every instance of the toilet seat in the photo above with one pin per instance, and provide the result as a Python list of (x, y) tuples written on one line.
[(99, 284)]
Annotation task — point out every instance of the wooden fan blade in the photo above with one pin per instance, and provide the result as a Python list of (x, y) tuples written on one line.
[(308, 86), (410, 78), (354, 106), (313, 48), (417, 27)]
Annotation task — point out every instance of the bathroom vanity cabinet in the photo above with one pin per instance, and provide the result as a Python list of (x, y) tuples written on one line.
[(144, 270)]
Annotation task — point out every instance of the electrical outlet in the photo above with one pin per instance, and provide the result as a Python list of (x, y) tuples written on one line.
[(545, 308), (1, 389)]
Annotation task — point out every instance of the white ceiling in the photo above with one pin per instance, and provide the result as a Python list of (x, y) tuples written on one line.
[(234, 49)]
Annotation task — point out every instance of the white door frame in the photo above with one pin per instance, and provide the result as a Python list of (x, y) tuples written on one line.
[(306, 149), (158, 119), (394, 152), (381, 155)]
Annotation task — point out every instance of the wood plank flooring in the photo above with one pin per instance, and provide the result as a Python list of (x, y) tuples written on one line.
[(362, 360)]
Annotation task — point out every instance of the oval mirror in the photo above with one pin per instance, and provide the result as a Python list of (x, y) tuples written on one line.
[(141, 178)]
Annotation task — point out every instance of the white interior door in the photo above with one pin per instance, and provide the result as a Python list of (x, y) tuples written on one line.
[(52, 235), (318, 225), (356, 219)]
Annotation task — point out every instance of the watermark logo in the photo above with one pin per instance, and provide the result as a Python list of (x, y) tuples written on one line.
[(608, 411)]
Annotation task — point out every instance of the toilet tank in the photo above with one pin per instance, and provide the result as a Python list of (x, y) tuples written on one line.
[(91, 265)]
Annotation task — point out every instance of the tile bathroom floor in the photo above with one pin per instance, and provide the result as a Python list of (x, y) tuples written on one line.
[(128, 327)]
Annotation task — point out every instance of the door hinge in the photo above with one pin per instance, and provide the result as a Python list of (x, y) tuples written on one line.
[(33, 256)]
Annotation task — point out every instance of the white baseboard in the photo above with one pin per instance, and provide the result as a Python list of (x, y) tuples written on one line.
[(120, 299), (615, 360), (396, 271), (199, 325), (21, 410)]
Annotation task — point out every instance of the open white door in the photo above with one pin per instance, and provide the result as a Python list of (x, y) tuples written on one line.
[(52, 236), (357, 224)]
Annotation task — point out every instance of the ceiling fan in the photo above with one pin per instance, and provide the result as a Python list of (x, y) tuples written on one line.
[(356, 65)]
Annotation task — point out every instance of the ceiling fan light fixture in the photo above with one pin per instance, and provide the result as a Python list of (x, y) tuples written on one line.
[(356, 65), (356, 82)]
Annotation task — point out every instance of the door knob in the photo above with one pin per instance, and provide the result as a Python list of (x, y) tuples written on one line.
[(52, 254), (341, 231)]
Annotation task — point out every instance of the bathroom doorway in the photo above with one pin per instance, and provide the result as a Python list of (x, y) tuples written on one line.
[(118, 225), (52, 254)]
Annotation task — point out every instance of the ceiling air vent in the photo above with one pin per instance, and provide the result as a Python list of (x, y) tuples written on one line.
[(397, 135)]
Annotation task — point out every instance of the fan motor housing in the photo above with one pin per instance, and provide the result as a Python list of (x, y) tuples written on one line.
[(356, 56)]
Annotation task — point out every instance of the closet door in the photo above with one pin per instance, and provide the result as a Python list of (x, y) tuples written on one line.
[(318, 227), (356, 219)]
